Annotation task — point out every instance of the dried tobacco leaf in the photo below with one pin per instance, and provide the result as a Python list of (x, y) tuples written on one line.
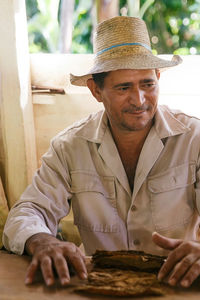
[(124, 273), (129, 260), (114, 282)]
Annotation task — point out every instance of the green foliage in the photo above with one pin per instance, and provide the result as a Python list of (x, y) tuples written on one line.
[(31, 8), (174, 26), (82, 22), (43, 25)]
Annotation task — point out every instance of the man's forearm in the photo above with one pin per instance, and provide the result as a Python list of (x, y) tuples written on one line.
[(23, 222)]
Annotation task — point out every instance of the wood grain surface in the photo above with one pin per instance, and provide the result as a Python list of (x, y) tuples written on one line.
[(12, 287)]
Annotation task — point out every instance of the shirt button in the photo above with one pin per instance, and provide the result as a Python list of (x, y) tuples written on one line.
[(136, 242), (133, 208)]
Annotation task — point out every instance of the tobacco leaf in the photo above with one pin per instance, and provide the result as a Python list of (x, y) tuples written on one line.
[(124, 273), (114, 282), (129, 260)]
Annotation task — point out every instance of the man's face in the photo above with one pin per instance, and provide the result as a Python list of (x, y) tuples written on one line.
[(130, 98)]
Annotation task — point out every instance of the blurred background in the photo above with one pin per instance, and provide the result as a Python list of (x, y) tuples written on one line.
[(66, 26)]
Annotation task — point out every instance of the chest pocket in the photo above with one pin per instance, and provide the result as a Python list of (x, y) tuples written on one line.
[(172, 196), (94, 202)]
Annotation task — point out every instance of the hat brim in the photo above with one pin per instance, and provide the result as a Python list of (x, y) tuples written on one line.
[(128, 62)]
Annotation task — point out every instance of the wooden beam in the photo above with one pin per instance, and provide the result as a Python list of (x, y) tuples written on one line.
[(18, 152)]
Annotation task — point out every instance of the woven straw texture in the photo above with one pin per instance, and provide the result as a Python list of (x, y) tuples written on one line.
[(123, 43)]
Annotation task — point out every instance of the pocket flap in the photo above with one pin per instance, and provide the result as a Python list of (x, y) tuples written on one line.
[(173, 178), (84, 181)]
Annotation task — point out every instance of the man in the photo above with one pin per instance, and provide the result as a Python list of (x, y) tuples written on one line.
[(127, 172)]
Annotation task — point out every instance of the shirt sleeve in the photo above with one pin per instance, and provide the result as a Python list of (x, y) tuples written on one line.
[(43, 203), (197, 185)]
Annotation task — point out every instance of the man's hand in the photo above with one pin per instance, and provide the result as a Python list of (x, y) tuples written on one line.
[(183, 262), (48, 253)]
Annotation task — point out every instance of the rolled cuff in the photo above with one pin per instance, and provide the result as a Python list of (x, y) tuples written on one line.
[(15, 241)]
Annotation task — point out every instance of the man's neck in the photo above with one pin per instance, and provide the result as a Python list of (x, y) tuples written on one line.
[(126, 139)]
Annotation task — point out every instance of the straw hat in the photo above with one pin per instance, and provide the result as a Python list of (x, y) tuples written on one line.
[(123, 43)]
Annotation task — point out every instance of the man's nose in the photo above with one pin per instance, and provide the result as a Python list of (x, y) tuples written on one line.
[(137, 97)]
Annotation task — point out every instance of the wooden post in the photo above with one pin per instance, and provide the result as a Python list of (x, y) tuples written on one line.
[(3, 211), (107, 9), (66, 19), (17, 151)]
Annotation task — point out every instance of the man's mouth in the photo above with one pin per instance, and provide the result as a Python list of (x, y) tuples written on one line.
[(135, 110)]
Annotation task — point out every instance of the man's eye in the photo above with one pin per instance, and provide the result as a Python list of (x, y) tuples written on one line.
[(148, 85), (123, 88)]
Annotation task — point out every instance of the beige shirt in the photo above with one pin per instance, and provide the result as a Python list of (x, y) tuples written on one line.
[(83, 168)]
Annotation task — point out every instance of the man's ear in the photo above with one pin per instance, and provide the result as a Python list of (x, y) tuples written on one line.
[(94, 89), (158, 73)]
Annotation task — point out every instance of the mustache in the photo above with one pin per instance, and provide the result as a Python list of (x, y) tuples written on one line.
[(134, 108)]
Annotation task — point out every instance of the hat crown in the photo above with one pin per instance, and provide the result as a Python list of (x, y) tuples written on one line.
[(123, 43), (120, 30)]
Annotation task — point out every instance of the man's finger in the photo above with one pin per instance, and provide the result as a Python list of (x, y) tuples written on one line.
[(181, 268), (78, 262), (191, 275), (47, 271), (30, 274), (164, 242), (62, 268)]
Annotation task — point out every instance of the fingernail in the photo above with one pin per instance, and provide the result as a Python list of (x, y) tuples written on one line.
[(160, 277), (28, 281), (64, 281), (185, 283), (49, 281), (172, 282), (83, 275)]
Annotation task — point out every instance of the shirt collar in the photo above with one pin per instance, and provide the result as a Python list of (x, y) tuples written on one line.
[(166, 125), (94, 128)]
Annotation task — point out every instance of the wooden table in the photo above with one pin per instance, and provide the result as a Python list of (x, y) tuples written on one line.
[(12, 287)]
